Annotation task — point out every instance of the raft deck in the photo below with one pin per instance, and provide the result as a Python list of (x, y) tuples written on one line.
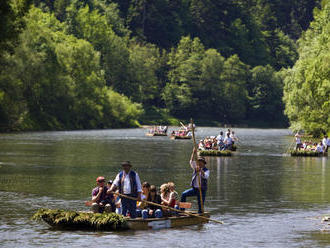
[(180, 137), (156, 134), (167, 222), (72, 220), (216, 153)]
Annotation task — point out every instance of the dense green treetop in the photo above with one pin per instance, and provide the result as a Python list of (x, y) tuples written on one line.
[(307, 84), (112, 63)]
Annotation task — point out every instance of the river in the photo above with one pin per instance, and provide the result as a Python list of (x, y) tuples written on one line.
[(265, 198)]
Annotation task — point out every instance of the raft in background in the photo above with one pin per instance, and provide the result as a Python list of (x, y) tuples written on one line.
[(303, 153), (73, 220), (180, 137), (218, 153), (156, 134)]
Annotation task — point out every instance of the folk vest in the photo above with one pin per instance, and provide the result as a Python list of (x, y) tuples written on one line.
[(203, 180), (132, 179)]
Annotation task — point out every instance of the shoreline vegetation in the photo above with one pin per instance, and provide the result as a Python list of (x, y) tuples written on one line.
[(100, 64)]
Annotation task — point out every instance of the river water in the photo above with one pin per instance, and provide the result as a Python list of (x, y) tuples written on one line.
[(265, 198)]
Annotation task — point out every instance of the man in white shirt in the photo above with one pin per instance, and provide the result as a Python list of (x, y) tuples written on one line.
[(204, 174), (228, 142), (233, 137), (128, 183)]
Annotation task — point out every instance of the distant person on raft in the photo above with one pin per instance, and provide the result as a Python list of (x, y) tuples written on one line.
[(128, 183), (204, 173)]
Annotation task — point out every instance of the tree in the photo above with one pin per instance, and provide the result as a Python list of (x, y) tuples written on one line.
[(184, 73), (62, 81), (158, 22), (234, 76), (144, 63), (307, 84), (12, 105), (265, 95)]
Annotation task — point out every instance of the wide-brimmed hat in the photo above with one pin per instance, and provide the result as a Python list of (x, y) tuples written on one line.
[(201, 159), (126, 163), (100, 179)]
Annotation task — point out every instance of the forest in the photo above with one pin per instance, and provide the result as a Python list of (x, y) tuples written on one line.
[(86, 64)]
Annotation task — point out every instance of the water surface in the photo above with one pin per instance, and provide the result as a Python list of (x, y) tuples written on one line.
[(265, 198)]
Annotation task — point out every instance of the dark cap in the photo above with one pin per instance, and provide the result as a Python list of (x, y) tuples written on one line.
[(126, 163), (201, 159)]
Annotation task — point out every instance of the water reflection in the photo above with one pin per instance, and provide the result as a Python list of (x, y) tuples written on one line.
[(255, 187)]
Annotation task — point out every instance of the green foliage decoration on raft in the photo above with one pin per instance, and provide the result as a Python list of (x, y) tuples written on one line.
[(297, 153), (215, 153), (81, 220)]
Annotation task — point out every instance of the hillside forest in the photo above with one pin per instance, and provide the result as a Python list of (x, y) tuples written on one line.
[(86, 64)]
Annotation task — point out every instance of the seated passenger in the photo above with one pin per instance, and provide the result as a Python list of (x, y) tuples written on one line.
[(314, 146), (165, 193), (208, 144), (305, 145), (214, 143), (145, 194), (102, 202), (118, 206), (153, 211), (174, 197), (201, 145), (165, 196), (319, 147)]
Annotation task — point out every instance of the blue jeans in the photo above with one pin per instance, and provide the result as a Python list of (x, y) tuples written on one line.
[(194, 192), (157, 214), (228, 147), (139, 212), (129, 205)]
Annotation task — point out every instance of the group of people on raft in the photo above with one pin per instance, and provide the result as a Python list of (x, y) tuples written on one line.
[(320, 147), (158, 130), (186, 130), (127, 196), (219, 142), (182, 132)]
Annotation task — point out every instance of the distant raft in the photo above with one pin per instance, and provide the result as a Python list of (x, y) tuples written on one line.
[(180, 137), (216, 153), (303, 153), (156, 134)]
